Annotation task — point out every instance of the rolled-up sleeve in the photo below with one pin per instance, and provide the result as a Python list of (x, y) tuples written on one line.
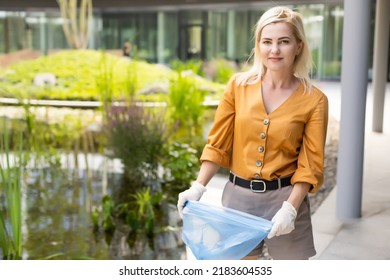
[(312, 152), (220, 140)]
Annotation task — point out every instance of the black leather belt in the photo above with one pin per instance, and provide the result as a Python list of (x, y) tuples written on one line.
[(260, 185)]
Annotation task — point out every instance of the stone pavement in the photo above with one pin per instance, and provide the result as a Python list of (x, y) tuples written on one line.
[(367, 238)]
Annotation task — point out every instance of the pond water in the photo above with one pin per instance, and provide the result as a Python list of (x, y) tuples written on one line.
[(57, 207)]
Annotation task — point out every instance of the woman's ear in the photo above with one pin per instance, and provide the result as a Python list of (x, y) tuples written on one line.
[(299, 49)]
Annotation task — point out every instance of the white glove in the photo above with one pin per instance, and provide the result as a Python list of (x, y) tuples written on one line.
[(195, 192), (283, 221)]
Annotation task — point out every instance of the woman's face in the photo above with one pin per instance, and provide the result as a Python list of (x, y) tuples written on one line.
[(278, 47)]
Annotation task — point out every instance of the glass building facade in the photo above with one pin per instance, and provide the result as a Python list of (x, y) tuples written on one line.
[(161, 35)]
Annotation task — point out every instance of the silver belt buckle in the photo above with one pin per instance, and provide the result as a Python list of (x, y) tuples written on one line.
[(258, 181)]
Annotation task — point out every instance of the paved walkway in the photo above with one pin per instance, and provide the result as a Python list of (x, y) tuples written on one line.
[(367, 238)]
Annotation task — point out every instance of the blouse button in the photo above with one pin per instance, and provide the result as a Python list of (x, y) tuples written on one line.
[(259, 163), (260, 149), (266, 121), (262, 135), (257, 176)]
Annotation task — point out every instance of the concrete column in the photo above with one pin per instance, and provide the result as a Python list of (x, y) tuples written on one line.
[(91, 36), (42, 34), (381, 46), (160, 37), (354, 76), (231, 42)]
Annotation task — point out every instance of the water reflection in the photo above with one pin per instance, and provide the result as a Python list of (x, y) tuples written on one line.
[(58, 224)]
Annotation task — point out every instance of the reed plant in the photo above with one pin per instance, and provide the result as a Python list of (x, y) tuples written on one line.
[(131, 80), (105, 79), (10, 199), (185, 101)]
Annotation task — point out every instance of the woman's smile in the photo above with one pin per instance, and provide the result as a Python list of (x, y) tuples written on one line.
[(275, 59)]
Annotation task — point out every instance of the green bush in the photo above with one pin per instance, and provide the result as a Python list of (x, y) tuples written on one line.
[(224, 70), (181, 166), (83, 75), (195, 65)]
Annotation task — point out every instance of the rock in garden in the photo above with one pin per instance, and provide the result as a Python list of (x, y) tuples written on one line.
[(42, 79)]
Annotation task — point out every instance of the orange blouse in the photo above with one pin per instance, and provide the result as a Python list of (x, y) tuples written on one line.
[(257, 145)]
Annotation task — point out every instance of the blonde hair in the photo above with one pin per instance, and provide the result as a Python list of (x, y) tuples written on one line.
[(303, 62)]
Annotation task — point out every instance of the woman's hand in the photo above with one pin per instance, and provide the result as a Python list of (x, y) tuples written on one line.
[(195, 192), (283, 221)]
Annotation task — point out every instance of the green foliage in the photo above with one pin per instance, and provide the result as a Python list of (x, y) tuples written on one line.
[(137, 137), (224, 70), (195, 65), (84, 74), (104, 79), (185, 103), (104, 215), (11, 211), (181, 166), (107, 79), (107, 209), (78, 75), (141, 212), (46, 139), (131, 81), (147, 209)]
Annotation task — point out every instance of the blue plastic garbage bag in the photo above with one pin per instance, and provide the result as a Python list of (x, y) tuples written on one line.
[(220, 233)]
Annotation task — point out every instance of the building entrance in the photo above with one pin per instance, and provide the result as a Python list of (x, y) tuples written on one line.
[(192, 47), (192, 35)]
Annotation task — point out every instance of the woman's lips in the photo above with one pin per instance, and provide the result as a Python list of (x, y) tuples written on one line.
[(275, 59)]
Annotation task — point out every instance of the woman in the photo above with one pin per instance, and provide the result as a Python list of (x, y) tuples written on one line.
[(270, 130)]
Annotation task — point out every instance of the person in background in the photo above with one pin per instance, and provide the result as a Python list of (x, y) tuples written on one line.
[(126, 50), (270, 131)]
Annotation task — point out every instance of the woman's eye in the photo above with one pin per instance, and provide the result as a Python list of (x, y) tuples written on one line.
[(285, 42)]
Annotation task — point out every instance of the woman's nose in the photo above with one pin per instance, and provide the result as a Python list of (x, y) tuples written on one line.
[(275, 48)]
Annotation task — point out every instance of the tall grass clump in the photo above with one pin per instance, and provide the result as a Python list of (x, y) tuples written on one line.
[(185, 101), (10, 199), (136, 136), (131, 80), (105, 79)]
